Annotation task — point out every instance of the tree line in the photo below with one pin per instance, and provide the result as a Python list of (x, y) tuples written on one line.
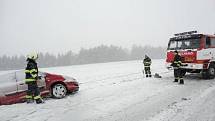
[(99, 54)]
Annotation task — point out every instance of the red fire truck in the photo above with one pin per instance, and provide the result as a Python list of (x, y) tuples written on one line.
[(197, 51)]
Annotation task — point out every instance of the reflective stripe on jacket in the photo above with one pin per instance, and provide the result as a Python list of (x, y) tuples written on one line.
[(31, 71), (177, 63), (147, 62)]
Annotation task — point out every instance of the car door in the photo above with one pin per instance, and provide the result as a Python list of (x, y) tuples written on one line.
[(41, 82), (22, 87), (8, 86)]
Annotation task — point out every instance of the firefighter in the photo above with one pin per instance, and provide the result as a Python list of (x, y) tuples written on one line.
[(147, 63), (178, 72), (31, 78)]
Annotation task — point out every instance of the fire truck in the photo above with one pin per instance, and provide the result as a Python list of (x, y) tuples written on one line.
[(197, 52)]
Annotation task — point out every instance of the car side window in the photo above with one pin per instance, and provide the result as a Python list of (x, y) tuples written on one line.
[(20, 75)]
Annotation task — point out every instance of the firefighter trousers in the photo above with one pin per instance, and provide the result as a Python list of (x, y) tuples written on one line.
[(178, 74), (33, 91), (147, 71)]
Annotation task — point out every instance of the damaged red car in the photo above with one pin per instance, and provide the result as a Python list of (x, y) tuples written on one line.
[(13, 88)]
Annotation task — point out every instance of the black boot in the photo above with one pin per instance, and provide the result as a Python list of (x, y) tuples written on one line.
[(147, 75), (150, 75), (176, 80), (181, 81), (40, 100)]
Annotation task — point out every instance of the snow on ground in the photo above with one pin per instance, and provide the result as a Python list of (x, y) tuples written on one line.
[(117, 91)]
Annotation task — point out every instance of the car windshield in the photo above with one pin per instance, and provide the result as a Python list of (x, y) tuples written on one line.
[(184, 44)]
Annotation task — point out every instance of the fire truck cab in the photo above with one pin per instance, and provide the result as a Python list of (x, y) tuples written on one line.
[(197, 52)]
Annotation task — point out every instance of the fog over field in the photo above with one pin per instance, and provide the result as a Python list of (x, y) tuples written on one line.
[(60, 26), (98, 54)]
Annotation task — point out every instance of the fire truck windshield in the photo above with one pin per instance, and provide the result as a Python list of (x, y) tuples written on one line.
[(184, 44)]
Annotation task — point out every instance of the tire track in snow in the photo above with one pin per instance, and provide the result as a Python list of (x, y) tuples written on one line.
[(191, 108)]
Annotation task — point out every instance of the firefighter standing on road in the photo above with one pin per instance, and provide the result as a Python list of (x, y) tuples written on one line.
[(178, 72), (31, 78), (147, 63)]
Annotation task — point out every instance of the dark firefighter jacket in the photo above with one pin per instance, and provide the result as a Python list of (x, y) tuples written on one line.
[(31, 71), (147, 62), (177, 62)]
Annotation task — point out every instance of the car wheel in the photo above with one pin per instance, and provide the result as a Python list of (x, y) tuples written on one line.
[(59, 91)]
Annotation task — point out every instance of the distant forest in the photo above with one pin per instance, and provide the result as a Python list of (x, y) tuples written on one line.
[(98, 54)]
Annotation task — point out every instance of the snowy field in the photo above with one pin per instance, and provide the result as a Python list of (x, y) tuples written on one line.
[(117, 91)]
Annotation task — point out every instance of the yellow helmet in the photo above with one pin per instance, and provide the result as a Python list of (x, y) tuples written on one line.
[(33, 56)]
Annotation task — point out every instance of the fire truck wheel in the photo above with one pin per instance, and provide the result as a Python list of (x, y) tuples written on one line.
[(210, 73)]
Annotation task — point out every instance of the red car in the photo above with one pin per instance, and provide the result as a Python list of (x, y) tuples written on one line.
[(13, 88)]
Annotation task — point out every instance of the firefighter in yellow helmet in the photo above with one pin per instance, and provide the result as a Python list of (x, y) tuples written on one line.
[(31, 77)]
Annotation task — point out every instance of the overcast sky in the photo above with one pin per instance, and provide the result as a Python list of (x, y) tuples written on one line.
[(57, 26)]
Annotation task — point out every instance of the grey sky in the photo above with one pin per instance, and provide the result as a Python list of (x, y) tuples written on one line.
[(57, 26)]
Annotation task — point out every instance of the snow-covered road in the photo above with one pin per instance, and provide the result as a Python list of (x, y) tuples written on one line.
[(117, 91)]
